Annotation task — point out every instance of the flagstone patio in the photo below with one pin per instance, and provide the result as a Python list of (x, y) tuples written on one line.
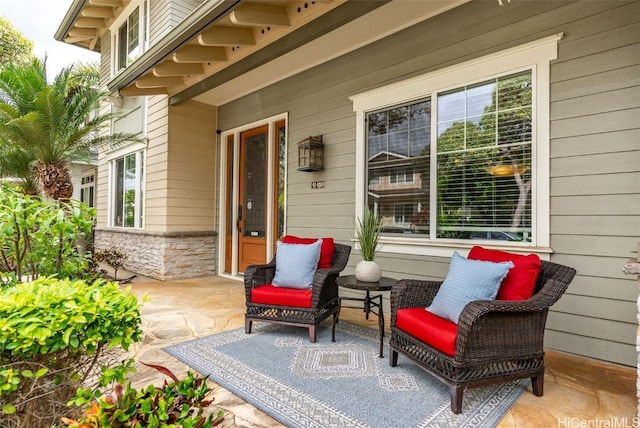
[(578, 391)]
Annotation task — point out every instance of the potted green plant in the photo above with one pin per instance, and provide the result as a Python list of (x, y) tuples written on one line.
[(368, 231)]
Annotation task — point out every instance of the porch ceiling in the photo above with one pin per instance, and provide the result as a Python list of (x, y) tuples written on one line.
[(228, 48)]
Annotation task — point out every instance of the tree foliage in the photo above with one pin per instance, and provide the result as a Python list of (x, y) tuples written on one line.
[(56, 123), (467, 191), (14, 46), (43, 238)]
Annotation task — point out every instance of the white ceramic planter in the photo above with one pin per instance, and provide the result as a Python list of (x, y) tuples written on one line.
[(368, 271)]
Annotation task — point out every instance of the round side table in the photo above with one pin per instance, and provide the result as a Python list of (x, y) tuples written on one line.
[(371, 304)]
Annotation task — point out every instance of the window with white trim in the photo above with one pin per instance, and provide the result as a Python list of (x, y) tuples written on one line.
[(403, 214), (130, 36), (87, 189), (462, 153), (128, 190)]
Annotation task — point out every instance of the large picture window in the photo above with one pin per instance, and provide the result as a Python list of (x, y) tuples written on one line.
[(128, 185), (483, 160), (398, 157), (481, 168), (461, 154)]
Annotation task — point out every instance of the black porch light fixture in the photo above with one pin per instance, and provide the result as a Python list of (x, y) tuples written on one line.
[(311, 154)]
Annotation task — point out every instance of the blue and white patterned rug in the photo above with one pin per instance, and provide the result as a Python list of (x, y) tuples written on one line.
[(341, 384)]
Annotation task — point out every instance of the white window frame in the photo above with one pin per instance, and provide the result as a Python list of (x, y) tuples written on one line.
[(85, 185), (143, 31), (535, 56), (400, 206), (140, 189), (375, 180), (402, 176)]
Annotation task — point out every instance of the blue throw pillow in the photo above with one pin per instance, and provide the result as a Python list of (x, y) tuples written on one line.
[(467, 280), (296, 264)]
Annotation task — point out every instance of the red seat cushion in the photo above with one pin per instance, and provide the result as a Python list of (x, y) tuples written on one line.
[(326, 249), (429, 328), (520, 282), (280, 296)]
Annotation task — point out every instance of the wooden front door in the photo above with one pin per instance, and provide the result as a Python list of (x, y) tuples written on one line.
[(252, 197)]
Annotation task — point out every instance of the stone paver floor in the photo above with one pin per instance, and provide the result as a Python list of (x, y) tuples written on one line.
[(577, 391)]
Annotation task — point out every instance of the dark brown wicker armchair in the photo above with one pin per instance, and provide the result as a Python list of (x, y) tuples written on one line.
[(324, 296), (497, 340)]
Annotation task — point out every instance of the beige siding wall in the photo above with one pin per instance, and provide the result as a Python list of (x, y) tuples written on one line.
[(595, 155), (102, 180), (156, 164), (166, 14), (180, 171), (191, 168)]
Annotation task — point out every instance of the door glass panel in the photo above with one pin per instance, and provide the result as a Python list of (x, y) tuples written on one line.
[(281, 173), (229, 195), (255, 180)]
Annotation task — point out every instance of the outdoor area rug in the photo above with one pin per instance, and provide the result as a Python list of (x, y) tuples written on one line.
[(336, 384)]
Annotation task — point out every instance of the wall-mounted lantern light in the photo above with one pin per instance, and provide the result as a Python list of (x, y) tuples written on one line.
[(311, 154)]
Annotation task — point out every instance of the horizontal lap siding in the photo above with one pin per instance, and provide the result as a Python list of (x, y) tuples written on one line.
[(595, 190), (594, 128), (102, 180), (167, 14), (191, 169), (155, 196)]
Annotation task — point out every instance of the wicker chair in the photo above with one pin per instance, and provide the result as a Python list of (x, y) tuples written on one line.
[(324, 297), (496, 340)]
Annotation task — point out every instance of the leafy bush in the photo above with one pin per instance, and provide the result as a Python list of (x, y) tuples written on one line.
[(43, 237), (55, 335), (179, 403), (113, 258)]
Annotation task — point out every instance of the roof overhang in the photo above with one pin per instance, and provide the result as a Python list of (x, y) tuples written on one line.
[(227, 48)]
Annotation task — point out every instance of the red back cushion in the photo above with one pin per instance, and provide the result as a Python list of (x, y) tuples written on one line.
[(520, 282), (280, 296), (326, 249), (429, 328)]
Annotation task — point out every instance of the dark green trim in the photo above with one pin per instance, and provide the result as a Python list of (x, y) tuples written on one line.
[(326, 23), (69, 18)]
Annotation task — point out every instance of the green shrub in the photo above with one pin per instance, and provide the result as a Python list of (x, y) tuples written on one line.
[(112, 258), (43, 237), (55, 335), (179, 403)]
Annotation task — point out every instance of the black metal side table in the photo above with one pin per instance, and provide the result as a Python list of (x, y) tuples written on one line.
[(371, 304)]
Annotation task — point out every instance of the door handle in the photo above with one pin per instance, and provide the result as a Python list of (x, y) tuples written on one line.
[(239, 222)]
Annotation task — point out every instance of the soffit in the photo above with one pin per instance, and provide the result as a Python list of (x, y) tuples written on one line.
[(227, 48)]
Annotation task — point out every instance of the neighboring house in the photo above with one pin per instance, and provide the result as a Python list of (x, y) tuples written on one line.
[(513, 125), (83, 178)]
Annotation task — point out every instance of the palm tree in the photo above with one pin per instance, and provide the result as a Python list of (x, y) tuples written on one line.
[(15, 164), (55, 123)]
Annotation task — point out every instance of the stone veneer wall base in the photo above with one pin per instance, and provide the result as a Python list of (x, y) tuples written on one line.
[(162, 255)]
